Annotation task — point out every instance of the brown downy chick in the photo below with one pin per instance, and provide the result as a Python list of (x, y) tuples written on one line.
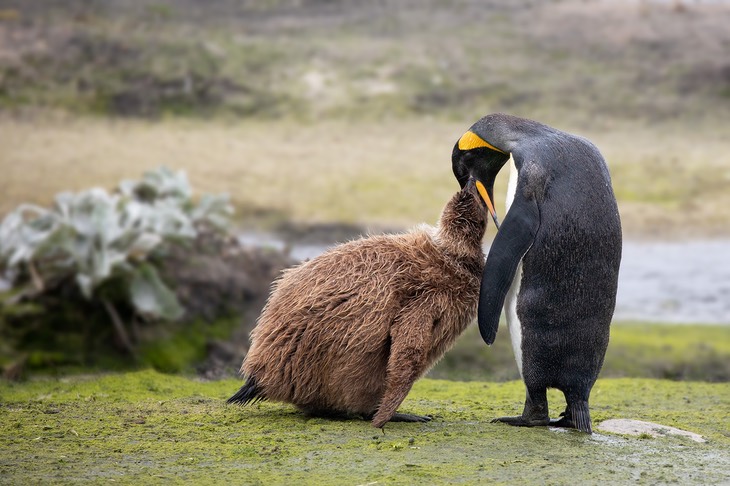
[(351, 330)]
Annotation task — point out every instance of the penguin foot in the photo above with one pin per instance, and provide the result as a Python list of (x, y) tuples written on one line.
[(407, 417), (563, 421), (575, 416), (521, 421), (568, 423)]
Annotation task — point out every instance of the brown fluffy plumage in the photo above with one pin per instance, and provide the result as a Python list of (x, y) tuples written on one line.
[(350, 331)]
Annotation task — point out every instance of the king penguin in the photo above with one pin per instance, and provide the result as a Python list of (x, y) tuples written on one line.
[(554, 262)]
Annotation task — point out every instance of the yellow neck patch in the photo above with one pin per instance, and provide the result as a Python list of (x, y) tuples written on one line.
[(471, 140)]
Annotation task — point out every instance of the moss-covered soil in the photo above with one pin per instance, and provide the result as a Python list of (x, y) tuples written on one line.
[(146, 426), (696, 352)]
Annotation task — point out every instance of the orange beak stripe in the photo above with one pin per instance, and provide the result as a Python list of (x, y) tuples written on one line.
[(483, 192)]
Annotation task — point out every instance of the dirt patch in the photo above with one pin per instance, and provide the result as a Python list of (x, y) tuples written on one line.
[(219, 278), (216, 276)]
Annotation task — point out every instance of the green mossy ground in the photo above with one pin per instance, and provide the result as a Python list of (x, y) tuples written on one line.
[(641, 350), (147, 426), (697, 352)]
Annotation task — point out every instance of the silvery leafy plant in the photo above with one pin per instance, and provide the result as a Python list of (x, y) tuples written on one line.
[(94, 236)]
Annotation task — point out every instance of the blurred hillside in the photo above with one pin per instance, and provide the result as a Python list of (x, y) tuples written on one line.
[(586, 63), (346, 97)]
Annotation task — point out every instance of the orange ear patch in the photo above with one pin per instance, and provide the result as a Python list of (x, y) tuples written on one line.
[(471, 140)]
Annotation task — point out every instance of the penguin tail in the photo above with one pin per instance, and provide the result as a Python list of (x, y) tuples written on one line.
[(250, 392), (580, 415)]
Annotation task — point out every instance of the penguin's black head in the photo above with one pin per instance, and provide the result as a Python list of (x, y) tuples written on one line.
[(474, 157)]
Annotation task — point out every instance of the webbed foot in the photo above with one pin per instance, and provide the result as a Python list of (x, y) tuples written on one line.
[(562, 422), (521, 421), (408, 417), (576, 416)]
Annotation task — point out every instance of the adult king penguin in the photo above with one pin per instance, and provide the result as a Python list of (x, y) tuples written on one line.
[(554, 261)]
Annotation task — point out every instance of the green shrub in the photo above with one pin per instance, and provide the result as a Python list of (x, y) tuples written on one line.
[(102, 247)]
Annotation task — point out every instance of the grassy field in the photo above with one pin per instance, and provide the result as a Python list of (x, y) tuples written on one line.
[(347, 111), (145, 426), (686, 352), (392, 173), (639, 350)]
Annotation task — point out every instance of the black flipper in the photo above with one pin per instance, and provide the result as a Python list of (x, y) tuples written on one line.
[(514, 238), (249, 392)]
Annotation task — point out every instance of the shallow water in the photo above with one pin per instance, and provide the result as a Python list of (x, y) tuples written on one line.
[(672, 282), (675, 282)]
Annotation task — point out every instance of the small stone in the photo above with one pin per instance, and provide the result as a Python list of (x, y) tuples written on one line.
[(645, 430)]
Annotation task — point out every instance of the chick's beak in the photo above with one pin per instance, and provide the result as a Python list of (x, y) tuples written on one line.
[(488, 201)]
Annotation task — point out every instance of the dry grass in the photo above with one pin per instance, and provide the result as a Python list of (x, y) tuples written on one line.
[(392, 173), (645, 80)]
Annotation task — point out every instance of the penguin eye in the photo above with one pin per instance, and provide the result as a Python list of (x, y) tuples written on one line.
[(466, 158), (469, 161)]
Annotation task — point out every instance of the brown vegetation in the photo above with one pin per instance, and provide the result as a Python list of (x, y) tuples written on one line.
[(579, 62)]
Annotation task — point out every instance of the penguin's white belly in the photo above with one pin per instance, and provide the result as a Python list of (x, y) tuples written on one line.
[(510, 302), (513, 321)]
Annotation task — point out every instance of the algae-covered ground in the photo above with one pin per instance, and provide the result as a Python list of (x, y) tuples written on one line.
[(692, 352), (146, 426)]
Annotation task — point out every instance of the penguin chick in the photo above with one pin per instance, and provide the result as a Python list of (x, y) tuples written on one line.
[(350, 331)]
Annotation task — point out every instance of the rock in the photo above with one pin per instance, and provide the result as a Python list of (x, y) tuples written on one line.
[(639, 427)]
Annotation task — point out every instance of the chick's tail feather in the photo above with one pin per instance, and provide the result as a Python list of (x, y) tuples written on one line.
[(249, 393)]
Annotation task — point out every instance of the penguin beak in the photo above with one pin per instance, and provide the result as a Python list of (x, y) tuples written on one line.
[(488, 195)]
